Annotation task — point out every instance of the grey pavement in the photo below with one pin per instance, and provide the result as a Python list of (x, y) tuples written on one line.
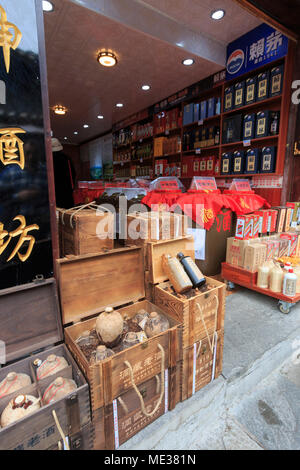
[(255, 404)]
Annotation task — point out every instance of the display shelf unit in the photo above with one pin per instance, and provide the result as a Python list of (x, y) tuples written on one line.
[(276, 103)]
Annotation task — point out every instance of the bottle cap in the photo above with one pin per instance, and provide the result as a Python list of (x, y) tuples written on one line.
[(291, 270), (153, 315), (109, 310), (19, 400), (180, 255)]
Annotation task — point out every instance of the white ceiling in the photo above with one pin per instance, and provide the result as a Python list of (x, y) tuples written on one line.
[(74, 36)]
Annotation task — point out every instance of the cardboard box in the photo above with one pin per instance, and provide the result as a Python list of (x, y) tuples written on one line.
[(235, 253), (263, 221), (272, 247), (295, 218), (244, 227), (159, 146), (293, 242), (256, 225), (272, 220), (250, 90), (284, 246), (255, 255), (288, 217), (281, 212)]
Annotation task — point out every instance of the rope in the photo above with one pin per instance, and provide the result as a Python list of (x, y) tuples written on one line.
[(74, 210), (204, 324), (199, 349), (67, 447), (157, 383), (149, 415)]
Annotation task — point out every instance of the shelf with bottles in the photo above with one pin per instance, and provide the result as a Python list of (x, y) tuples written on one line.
[(167, 122), (261, 141), (202, 122), (272, 103), (199, 150)]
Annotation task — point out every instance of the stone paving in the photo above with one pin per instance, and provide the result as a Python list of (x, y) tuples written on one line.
[(255, 404)]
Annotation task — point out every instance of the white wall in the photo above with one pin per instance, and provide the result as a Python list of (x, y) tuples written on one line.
[(97, 151)]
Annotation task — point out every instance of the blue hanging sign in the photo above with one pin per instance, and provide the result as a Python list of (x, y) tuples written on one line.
[(260, 46)]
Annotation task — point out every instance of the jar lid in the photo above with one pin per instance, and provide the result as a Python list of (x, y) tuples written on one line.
[(101, 348), (51, 358), (109, 310), (153, 315), (58, 381), (19, 400), (11, 376)]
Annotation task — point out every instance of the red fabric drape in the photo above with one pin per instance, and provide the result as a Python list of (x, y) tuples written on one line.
[(83, 196)]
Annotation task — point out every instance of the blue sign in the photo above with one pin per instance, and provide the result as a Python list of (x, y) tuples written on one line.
[(260, 46)]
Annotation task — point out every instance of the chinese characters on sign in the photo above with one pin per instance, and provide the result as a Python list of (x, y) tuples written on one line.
[(10, 37), (265, 48), (11, 147), (21, 232)]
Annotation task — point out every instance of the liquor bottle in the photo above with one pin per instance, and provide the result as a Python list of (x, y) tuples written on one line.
[(290, 284), (177, 275), (192, 270), (274, 126)]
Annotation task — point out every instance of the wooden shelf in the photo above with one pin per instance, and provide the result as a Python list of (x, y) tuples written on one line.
[(177, 154), (255, 105), (216, 117), (167, 133), (213, 147), (246, 175), (261, 140)]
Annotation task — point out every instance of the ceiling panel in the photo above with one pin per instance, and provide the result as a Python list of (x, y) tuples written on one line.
[(74, 36)]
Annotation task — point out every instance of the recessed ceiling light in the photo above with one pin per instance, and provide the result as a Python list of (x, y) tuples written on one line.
[(47, 6), (108, 59), (100, 117), (86, 126), (217, 14), (66, 138), (188, 62), (75, 133), (61, 110), (146, 87), (119, 105)]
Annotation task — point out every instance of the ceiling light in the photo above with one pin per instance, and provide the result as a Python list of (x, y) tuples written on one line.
[(61, 110), (47, 6), (108, 59), (119, 105), (217, 14), (75, 133), (146, 87), (188, 62), (66, 138), (100, 117), (85, 126)]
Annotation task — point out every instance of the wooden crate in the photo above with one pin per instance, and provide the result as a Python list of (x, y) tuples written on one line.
[(82, 440), (144, 227), (200, 315), (128, 414), (88, 284), (38, 431), (155, 251), (85, 232), (201, 364)]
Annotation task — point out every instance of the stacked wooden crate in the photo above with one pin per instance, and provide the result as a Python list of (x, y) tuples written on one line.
[(135, 386), (30, 321)]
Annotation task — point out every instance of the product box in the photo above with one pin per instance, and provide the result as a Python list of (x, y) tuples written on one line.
[(203, 110), (295, 219), (188, 141), (249, 126), (228, 98), (159, 123), (293, 242), (211, 136), (284, 246), (263, 220), (158, 147), (197, 138), (263, 86), (226, 164), (238, 163), (272, 220), (262, 124), (175, 118), (239, 94), (274, 120), (255, 255), (210, 165), (202, 165), (276, 80), (196, 112), (211, 107), (272, 247), (218, 105), (288, 218), (250, 90), (232, 129), (188, 114), (235, 253), (252, 161), (196, 166), (187, 166), (244, 227), (281, 213), (268, 160), (256, 225)]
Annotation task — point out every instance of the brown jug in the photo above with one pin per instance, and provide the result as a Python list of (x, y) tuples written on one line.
[(109, 327)]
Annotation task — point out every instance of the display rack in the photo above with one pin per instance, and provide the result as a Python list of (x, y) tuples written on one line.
[(235, 275)]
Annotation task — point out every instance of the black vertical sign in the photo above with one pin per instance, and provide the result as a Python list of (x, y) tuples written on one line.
[(25, 236)]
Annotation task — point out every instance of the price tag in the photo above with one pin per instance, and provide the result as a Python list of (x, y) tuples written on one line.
[(240, 185), (204, 184), (198, 151), (168, 185), (200, 123), (246, 143)]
